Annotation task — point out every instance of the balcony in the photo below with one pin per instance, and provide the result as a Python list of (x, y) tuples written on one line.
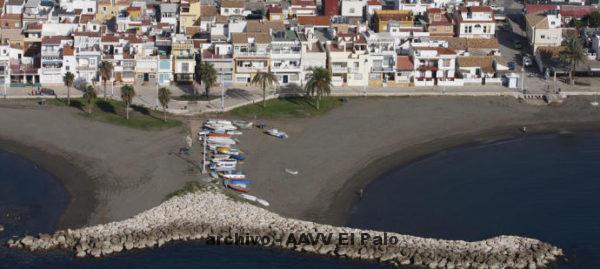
[(51, 70), (383, 69), (251, 69), (253, 53), (184, 57), (287, 68), (339, 69)]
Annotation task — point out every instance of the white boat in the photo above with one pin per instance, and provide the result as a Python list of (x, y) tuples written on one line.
[(262, 202), (232, 175), (221, 168), (219, 127), (234, 133), (221, 141), (225, 162), (218, 121), (291, 172), (594, 103), (277, 133), (218, 157), (248, 197), (242, 124)]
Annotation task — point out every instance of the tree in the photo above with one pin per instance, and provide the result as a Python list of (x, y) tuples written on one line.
[(89, 95), (573, 54), (594, 19), (264, 80), (127, 94), (69, 79), (164, 95), (319, 83), (106, 69), (208, 76)]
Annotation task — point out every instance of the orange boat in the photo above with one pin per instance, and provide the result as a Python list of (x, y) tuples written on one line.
[(219, 135)]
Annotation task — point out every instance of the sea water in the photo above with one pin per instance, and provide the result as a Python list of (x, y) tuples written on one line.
[(543, 186)]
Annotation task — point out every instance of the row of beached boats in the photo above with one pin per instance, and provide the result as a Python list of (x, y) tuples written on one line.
[(224, 155)]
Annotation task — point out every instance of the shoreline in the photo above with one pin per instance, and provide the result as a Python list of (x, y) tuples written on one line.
[(79, 186), (339, 212)]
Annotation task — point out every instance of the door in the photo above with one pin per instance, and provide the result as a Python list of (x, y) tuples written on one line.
[(285, 79), (146, 77), (118, 76)]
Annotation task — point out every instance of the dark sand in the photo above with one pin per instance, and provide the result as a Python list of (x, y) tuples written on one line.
[(114, 172)]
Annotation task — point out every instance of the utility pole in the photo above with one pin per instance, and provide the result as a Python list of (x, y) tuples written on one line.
[(222, 92), (523, 79), (112, 84), (204, 153), (157, 66)]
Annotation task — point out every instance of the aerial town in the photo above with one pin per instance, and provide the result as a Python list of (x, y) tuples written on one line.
[(363, 43)]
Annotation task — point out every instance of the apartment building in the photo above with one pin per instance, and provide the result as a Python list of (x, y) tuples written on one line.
[(286, 55), (475, 22), (433, 65), (251, 54)]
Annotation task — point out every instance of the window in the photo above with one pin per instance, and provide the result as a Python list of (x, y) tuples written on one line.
[(485, 29), (104, 9), (90, 10), (446, 62), (543, 37), (352, 10), (67, 68), (356, 65), (226, 10), (185, 67)]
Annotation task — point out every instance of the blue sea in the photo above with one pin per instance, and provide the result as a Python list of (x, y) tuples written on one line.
[(543, 186)]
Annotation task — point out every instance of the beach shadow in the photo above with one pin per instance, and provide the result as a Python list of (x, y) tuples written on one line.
[(105, 106)]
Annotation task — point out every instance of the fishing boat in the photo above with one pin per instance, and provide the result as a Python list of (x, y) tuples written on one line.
[(218, 121), (221, 141), (217, 127), (277, 133), (234, 132), (237, 157), (228, 150), (218, 168), (242, 124), (219, 135), (291, 172), (225, 162), (219, 157), (253, 198), (244, 182), (232, 175), (237, 187)]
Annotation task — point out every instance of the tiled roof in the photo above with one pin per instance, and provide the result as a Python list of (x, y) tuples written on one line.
[(314, 20), (486, 63), (274, 9), (537, 19), (208, 11), (303, 3), (404, 63), (565, 10), (232, 4), (374, 3), (243, 38), (254, 26), (55, 40)]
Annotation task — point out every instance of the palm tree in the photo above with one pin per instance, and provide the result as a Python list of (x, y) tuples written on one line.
[(319, 83), (69, 79), (89, 95), (164, 95), (208, 76), (573, 54), (127, 94), (106, 69), (264, 79)]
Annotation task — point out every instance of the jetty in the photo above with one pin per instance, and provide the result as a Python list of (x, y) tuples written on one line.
[(214, 216)]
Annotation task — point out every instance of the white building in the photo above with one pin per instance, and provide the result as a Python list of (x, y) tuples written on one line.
[(543, 29), (313, 55), (87, 54), (86, 6), (52, 67), (14, 6), (286, 57), (169, 13), (433, 66), (353, 8), (475, 22), (382, 50), (349, 61)]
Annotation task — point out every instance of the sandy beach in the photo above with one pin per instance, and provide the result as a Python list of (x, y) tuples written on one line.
[(114, 172)]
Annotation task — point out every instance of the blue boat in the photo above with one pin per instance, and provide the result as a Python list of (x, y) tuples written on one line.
[(237, 181), (237, 157)]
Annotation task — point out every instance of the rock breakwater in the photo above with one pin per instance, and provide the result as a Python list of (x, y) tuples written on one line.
[(219, 219)]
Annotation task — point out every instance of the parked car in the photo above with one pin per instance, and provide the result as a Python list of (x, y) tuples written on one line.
[(47, 91), (527, 61), (517, 44)]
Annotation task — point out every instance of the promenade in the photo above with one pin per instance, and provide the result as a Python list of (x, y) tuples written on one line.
[(146, 95)]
